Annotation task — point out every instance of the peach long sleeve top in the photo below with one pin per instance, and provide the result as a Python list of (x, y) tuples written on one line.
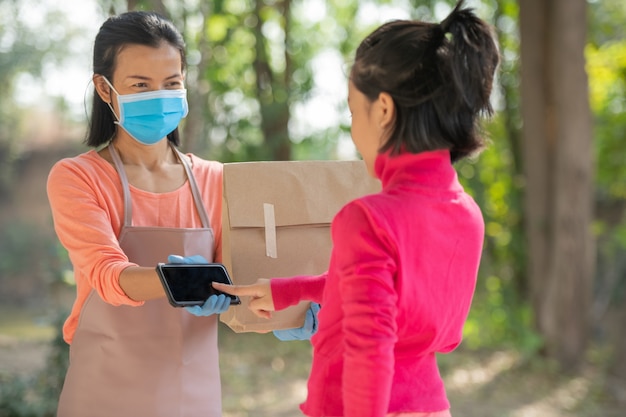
[(86, 200)]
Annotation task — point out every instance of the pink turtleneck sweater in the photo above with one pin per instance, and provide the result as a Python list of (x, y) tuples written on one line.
[(398, 290)]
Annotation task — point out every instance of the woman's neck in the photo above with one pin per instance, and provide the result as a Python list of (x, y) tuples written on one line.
[(133, 153)]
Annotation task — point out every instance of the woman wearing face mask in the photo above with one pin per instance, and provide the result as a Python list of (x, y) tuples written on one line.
[(121, 208)]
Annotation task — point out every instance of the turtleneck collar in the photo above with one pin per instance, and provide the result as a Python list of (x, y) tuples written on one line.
[(427, 169)]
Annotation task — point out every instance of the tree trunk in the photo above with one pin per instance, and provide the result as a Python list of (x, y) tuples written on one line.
[(195, 132), (273, 91), (558, 166)]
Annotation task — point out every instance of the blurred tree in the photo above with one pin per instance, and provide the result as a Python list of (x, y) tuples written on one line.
[(505, 17), (249, 63), (259, 66), (23, 51), (155, 5), (558, 167), (606, 64), (272, 84)]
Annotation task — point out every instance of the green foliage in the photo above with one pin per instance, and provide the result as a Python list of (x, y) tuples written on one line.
[(26, 48), (606, 66), (25, 251), (606, 21), (256, 66), (37, 395), (500, 314)]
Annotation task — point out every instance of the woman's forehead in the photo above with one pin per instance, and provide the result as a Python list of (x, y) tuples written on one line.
[(134, 58)]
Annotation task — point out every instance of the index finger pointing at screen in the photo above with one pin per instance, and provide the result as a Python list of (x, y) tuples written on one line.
[(260, 289), (260, 292)]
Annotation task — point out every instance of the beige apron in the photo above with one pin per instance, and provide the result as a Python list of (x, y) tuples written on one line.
[(152, 360)]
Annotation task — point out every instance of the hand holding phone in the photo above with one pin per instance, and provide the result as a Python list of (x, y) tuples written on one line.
[(216, 304), (190, 284)]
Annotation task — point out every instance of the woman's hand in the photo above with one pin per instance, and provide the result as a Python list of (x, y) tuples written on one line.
[(216, 304), (260, 293), (308, 329)]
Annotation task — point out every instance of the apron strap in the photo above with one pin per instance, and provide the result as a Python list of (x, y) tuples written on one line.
[(128, 207), (195, 191)]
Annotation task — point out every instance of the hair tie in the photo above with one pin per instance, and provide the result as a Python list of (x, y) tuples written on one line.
[(439, 35)]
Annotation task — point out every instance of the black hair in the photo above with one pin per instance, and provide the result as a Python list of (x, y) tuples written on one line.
[(439, 77), (139, 28)]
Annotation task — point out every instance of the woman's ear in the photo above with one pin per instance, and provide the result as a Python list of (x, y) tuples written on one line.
[(387, 110), (102, 88)]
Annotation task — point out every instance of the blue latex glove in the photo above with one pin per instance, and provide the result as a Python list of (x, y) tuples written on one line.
[(215, 304), (194, 259), (306, 331)]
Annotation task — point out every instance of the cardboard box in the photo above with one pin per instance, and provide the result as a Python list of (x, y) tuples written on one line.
[(276, 223)]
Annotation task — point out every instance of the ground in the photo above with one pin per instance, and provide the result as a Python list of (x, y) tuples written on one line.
[(264, 377)]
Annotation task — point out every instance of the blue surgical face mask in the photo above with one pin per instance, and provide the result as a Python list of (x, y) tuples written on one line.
[(149, 117)]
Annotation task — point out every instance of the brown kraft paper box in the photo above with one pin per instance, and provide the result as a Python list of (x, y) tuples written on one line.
[(276, 223)]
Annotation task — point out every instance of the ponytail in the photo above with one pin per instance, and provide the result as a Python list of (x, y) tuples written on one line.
[(471, 55)]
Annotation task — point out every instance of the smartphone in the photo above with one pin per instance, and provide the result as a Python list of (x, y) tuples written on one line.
[(190, 284)]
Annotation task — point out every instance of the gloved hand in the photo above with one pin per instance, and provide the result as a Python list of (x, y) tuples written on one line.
[(215, 304), (306, 331), (193, 259)]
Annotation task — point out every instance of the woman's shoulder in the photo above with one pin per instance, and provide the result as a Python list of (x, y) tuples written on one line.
[(86, 166), (374, 210), (205, 166), (369, 203), (362, 207), (85, 161)]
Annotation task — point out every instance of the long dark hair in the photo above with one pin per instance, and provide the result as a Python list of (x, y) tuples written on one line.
[(439, 76), (140, 28)]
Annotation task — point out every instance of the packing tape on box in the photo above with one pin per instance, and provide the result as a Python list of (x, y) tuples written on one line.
[(270, 231)]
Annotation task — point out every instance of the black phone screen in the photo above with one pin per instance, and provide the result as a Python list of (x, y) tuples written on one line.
[(188, 285)]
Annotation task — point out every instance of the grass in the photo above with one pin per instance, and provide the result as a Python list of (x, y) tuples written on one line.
[(29, 325), (262, 376)]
